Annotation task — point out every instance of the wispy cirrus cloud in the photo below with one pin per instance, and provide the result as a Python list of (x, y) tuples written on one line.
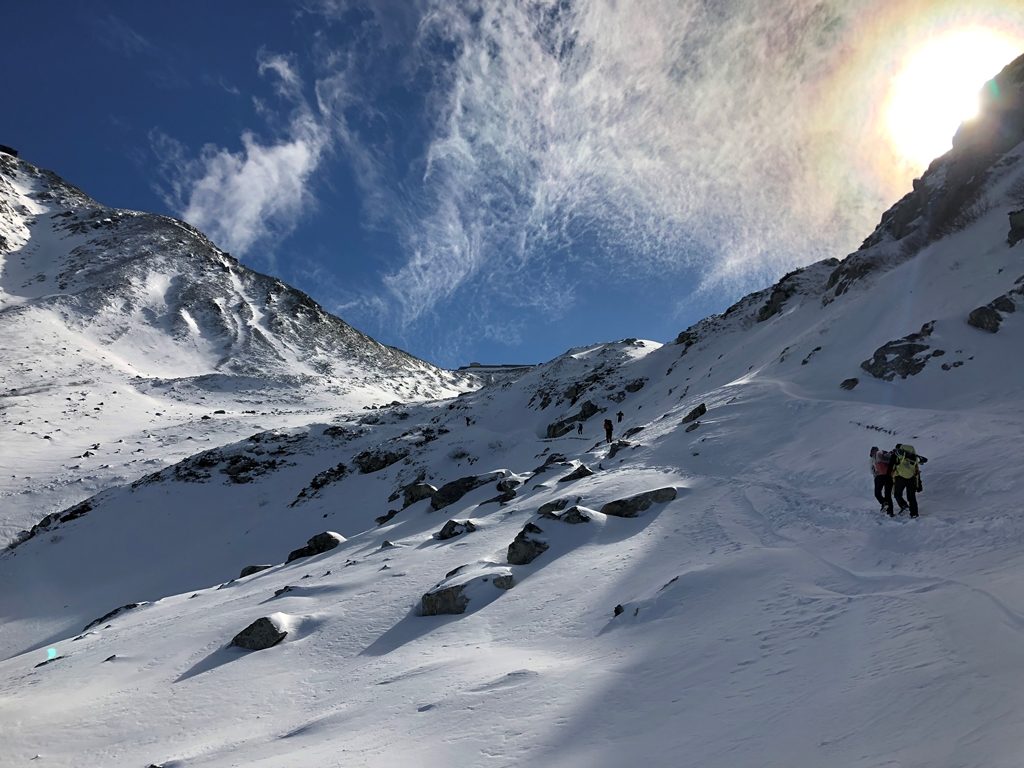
[(240, 197)]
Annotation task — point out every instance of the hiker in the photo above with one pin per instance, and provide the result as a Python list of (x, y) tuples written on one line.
[(579, 428), (906, 475), (608, 430), (881, 470), (620, 414)]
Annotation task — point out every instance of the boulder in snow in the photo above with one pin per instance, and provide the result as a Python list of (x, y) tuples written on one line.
[(249, 570), (574, 515), (695, 414), (416, 492), (634, 505), (527, 547), (552, 506), (457, 592), (849, 383), (985, 318), (378, 459), (902, 357), (454, 528), (451, 492), (1016, 227), (263, 633), (577, 474), (316, 545), (116, 612)]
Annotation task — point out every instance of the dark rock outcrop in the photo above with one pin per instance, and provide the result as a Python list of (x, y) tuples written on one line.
[(985, 318), (526, 547), (577, 474), (552, 506), (695, 414), (316, 545), (453, 599), (249, 570), (1016, 233), (617, 446), (416, 492), (260, 635), (376, 460), (634, 505), (108, 616), (902, 357), (849, 383), (574, 515), (566, 425), (451, 492), (454, 528)]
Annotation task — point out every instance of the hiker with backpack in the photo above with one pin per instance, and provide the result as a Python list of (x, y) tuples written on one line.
[(906, 477), (881, 470), (608, 430)]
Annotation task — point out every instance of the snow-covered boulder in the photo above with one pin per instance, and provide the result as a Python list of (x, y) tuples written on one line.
[(634, 505), (466, 585), (454, 528), (316, 545), (416, 492), (451, 492), (249, 570)]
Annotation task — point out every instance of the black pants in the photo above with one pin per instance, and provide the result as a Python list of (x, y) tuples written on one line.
[(901, 484), (883, 491)]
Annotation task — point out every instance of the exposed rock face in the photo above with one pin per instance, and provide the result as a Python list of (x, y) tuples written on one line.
[(321, 480), (552, 506), (985, 318), (849, 383), (617, 446), (451, 492), (573, 515), (322, 542), (108, 616), (509, 484), (374, 461), (989, 317), (634, 505), (386, 517), (249, 570), (454, 528), (526, 547), (1016, 227), (416, 492), (902, 357), (260, 635), (566, 425), (554, 458), (692, 426), (455, 598), (636, 385), (695, 414), (577, 474)]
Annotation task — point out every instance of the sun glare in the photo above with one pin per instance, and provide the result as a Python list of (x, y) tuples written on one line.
[(938, 88)]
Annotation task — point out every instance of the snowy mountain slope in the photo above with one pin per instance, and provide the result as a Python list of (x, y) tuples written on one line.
[(769, 615), (125, 329)]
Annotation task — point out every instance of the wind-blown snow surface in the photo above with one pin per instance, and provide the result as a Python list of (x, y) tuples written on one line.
[(769, 616), (122, 334)]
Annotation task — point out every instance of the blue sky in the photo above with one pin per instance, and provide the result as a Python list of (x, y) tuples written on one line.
[(481, 180)]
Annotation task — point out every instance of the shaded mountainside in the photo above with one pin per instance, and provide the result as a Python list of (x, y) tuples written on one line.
[(487, 580)]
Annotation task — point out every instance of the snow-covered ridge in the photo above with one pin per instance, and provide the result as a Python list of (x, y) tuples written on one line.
[(123, 333), (715, 586)]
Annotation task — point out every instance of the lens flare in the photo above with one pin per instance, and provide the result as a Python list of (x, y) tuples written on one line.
[(938, 88)]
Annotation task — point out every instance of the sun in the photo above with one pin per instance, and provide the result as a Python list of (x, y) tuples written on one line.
[(938, 88)]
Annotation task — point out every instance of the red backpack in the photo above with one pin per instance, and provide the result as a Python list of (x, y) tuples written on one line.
[(883, 462)]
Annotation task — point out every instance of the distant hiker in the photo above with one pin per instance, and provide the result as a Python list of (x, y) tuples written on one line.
[(881, 470), (619, 416), (608, 430), (468, 421), (579, 428), (906, 474)]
